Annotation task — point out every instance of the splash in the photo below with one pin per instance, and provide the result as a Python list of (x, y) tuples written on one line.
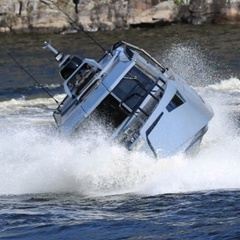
[(35, 159), (230, 85), (217, 165), (192, 63), (38, 160)]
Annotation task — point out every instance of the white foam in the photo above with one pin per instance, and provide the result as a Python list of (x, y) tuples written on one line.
[(34, 159), (37, 161), (232, 84)]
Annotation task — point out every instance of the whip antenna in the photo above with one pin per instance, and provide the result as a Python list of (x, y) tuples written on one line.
[(80, 27), (31, 76)]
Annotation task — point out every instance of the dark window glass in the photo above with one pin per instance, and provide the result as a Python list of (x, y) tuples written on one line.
[(109, 112), (70, 67), (133, 88), (176, 101)]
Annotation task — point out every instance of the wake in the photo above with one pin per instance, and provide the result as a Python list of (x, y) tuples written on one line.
[(35, 159)]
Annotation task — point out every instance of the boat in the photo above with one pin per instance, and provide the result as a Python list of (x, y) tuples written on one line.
[(145, 105)]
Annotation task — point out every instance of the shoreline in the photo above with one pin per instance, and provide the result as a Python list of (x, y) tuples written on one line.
[(59, 16), (75, 30), (60, 31)]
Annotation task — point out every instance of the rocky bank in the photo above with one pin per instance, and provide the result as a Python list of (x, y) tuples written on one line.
[(93, 15)]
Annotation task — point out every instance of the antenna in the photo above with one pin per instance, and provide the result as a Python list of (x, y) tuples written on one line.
[(59, 57), (80, 27)]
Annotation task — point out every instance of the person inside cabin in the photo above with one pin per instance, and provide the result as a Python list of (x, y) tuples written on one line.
[(85, 69), (83, 77)]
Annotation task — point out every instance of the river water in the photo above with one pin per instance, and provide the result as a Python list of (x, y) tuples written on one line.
[(90, 188)]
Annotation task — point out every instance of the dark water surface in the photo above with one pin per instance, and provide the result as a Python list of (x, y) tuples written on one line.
[(70, 216), (89, 188), (219, 45)]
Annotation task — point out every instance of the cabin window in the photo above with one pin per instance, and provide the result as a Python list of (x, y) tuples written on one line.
[(84, 75), (175, 102), (81, 79), (70, 67), (133, 88)]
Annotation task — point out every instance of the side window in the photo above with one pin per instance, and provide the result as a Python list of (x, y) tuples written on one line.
[(70, 67), (133, 88), (175, 102)]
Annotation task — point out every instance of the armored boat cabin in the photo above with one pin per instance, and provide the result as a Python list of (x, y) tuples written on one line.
[(146, 105)]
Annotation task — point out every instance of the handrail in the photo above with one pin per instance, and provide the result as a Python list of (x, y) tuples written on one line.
[(146, 53)]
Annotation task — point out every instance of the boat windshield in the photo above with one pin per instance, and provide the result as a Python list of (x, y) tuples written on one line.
[(70, 67), (84, 77), (80, 79)]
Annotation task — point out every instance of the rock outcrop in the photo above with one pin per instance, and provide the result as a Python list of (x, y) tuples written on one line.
[(93, 15)]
